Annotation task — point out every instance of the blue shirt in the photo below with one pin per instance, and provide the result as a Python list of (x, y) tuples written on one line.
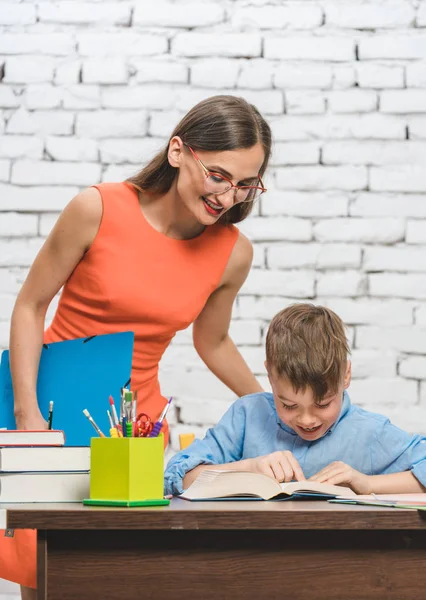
[(251, 427)]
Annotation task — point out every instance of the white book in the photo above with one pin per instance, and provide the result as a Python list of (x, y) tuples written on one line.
[(16, 459), (44, 487), (37, 437), (215, 484)]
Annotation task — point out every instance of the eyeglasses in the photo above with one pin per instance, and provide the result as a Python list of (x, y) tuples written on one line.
[(215, 183)]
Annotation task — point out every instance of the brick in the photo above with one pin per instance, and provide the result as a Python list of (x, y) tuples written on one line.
[(118, 172), (42, 96), (246, 332), (421, 16), (194, 411), (263, 229), (368, 231), (416, 75), (81, 96), (260, 307), (28, 69), (268, 102), (339, 256), (392, 46), (374, 153), (170, 14), (388, 205), (383, 391), (402, 339), (161, 123), (8, 98), (16, 225), (333, 49), (304, 204), (371, 363), (67, 72), (137, 151), (7, 302), (159, 71), (31, 172), (242, 45), (47, 221), (417, 127), (72, 149), (368, 126), (400, 178), (44, 122), (379, 76), (17, 14), (403, 101), (420, 314), (352, 101), (341, 283), (353, 15), (147, 96), (20, 146), (413, 367), (255, 74), (379, 258), (19, 253), (289, 76), (98, 71), (292, 256), (298, 284), (343, 76), (368, 311), (201, 384), (255, 358), (111, 124), (4, 170), (84, 13), (35, 199), (127, 43), (307, 153), (304, 103), (398, 285), (322, 178), (416, 232), (289, 16), (215, 72), (46, 43)]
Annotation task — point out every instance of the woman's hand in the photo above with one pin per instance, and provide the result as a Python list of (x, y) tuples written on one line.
[(339, 473), (280, 465)]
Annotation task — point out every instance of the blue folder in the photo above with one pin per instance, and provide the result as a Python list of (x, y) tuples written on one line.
[(75, 374)]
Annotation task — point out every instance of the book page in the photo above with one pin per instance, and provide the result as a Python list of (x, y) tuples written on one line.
[(315, 486)]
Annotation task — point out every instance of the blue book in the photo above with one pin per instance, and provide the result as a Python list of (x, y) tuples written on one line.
[(75, 374)]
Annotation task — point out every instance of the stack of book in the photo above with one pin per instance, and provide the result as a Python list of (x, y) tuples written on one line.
[(35, 466)]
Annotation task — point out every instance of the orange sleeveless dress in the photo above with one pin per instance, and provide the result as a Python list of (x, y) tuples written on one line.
[(133, 278)]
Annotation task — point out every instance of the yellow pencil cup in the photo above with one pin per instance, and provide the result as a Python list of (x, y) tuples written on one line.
[(127, 469)]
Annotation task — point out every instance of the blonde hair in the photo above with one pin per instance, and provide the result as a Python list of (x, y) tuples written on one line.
[(216, 124), (307, 346)]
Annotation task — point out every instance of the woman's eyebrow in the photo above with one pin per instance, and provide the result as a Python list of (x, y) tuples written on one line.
[(222, 171)]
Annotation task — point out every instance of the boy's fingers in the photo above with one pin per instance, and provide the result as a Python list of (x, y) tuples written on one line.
[(297, 469), (277, 471)]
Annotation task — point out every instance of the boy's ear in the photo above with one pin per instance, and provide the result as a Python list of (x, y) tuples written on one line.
[(175, 151), (348, 375)]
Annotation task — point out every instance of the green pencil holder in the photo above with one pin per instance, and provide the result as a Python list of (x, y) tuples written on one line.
[(126, 471)]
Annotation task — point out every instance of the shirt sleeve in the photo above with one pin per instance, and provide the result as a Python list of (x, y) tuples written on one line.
[(395, 451), (221, 444)]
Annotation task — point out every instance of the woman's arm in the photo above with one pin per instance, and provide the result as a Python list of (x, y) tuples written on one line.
[(210, 332), (72, 235)]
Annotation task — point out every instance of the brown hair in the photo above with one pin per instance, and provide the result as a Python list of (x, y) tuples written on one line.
[(216, 124), (307, 346)]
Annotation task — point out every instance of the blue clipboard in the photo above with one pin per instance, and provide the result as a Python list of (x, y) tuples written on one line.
[(75, 374)]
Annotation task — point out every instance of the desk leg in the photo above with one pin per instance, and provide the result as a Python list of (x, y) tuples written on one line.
[(236, 565), (41, 564)]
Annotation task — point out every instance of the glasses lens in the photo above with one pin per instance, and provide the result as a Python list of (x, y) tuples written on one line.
[(214, 184), (248, 194)]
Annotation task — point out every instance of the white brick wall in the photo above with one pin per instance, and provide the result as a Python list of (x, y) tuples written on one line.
[(90, 89)]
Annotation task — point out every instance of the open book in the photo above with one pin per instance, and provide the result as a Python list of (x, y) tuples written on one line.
[(233, 485)]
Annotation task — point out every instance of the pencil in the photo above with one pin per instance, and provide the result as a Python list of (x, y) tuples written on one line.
[(50, 418)]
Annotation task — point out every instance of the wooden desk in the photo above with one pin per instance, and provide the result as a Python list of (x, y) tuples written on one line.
[(227, 550)]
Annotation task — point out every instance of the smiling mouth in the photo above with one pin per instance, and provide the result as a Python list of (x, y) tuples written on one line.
[(212, 207), (310, 429)]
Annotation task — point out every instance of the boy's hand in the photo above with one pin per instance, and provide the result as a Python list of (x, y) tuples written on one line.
[(280, 465), (339, 473)]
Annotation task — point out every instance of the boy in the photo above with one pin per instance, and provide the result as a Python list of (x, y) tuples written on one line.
[(307, 428)]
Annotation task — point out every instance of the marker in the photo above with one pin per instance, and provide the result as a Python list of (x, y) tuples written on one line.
[(50, 418), (98, 431)]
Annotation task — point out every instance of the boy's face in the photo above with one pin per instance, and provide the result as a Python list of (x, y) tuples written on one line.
[(309, 419)]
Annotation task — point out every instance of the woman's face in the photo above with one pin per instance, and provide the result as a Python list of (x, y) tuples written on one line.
[(240, 166)]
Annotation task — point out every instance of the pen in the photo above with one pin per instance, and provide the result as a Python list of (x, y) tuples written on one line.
[(98, 431), (50, 418), (159, 424)]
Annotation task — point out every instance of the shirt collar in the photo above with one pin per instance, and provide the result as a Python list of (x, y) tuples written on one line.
[(346, 404)]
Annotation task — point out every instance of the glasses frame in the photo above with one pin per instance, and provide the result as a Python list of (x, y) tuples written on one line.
[(207, 173)]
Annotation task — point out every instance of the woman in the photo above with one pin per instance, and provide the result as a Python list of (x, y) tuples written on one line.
[(153, 255)]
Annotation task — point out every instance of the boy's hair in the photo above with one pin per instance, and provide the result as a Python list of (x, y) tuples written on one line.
[(307, 345)]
